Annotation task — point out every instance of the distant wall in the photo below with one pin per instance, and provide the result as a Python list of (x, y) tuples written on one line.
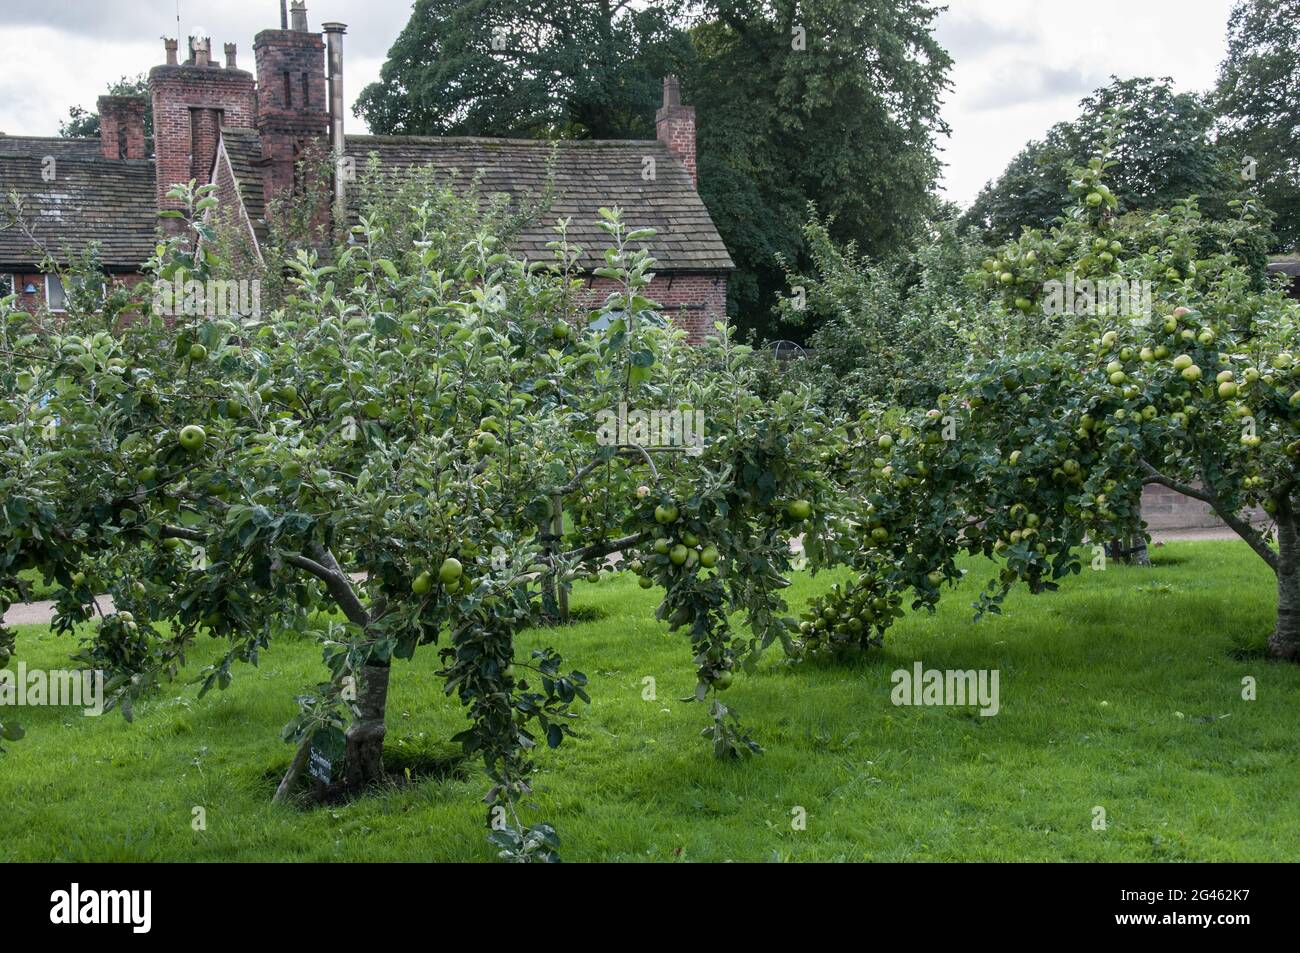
[(1163, 509)]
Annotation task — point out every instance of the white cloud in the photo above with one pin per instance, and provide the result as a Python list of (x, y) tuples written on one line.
[(1023, 65)]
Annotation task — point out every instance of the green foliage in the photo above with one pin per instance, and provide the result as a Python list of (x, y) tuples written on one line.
[(526, 69), (419, 408), (848, 123), (1159, 140), (895, 330), (1093, 677), (1257, 109)]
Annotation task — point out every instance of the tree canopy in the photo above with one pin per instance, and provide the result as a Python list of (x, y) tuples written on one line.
[(1257, 105), (1162, 149), (588, 69)]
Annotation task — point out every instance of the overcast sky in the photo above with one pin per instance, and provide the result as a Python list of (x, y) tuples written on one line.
[(1021, 65)]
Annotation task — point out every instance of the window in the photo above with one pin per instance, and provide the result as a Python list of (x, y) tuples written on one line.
[(7, 285), (89, 295), (54, 296)]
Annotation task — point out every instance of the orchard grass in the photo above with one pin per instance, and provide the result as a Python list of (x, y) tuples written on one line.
[(1123, 691)]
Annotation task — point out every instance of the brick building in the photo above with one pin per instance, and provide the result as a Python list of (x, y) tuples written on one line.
[(249, 133)]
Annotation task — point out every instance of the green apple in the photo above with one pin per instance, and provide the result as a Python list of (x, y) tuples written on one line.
[(450, 571), (421, 584), (1192, 373), (722, 681), (193, 437), (709, 557), (645, 582), (677, 555), (666, 513), (1227, 390), (198, 353), (885, 442), (798, 509), (662, 546), (690, 539), (1182, 362)]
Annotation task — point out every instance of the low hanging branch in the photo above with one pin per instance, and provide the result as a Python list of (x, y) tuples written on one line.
[(1241, 527)]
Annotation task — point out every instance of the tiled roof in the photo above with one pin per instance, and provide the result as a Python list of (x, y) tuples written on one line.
[(48, 146), (89, 199), (245, 152), (589, 174)]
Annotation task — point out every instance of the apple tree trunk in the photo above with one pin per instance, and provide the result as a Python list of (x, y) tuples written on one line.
[(363, 752), (1285, 641)]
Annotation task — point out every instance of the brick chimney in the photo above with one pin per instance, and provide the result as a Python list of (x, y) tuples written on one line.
[(675, 126), (192, 101), (293, 118), (121, 127), (230, 56)]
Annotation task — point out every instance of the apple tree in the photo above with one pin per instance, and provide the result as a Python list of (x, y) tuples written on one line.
[(1188, 380), (406, 450)]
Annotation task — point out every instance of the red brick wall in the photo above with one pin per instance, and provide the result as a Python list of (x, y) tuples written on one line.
[(292, 106), (693, 302), (675, 128), (188, 104), (121, 127), (34, 302)]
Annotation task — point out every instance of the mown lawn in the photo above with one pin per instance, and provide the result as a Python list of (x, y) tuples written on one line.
[(1122, 691)]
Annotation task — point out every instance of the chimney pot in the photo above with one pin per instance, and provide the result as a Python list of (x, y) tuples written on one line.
[(230, 56), (672, 91), (298, 12), (202, 51), (171, 45)]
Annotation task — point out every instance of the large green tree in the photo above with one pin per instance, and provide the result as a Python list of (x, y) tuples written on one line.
[(544, 68), (824, 101), (1258, 108), (1163, 152)]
